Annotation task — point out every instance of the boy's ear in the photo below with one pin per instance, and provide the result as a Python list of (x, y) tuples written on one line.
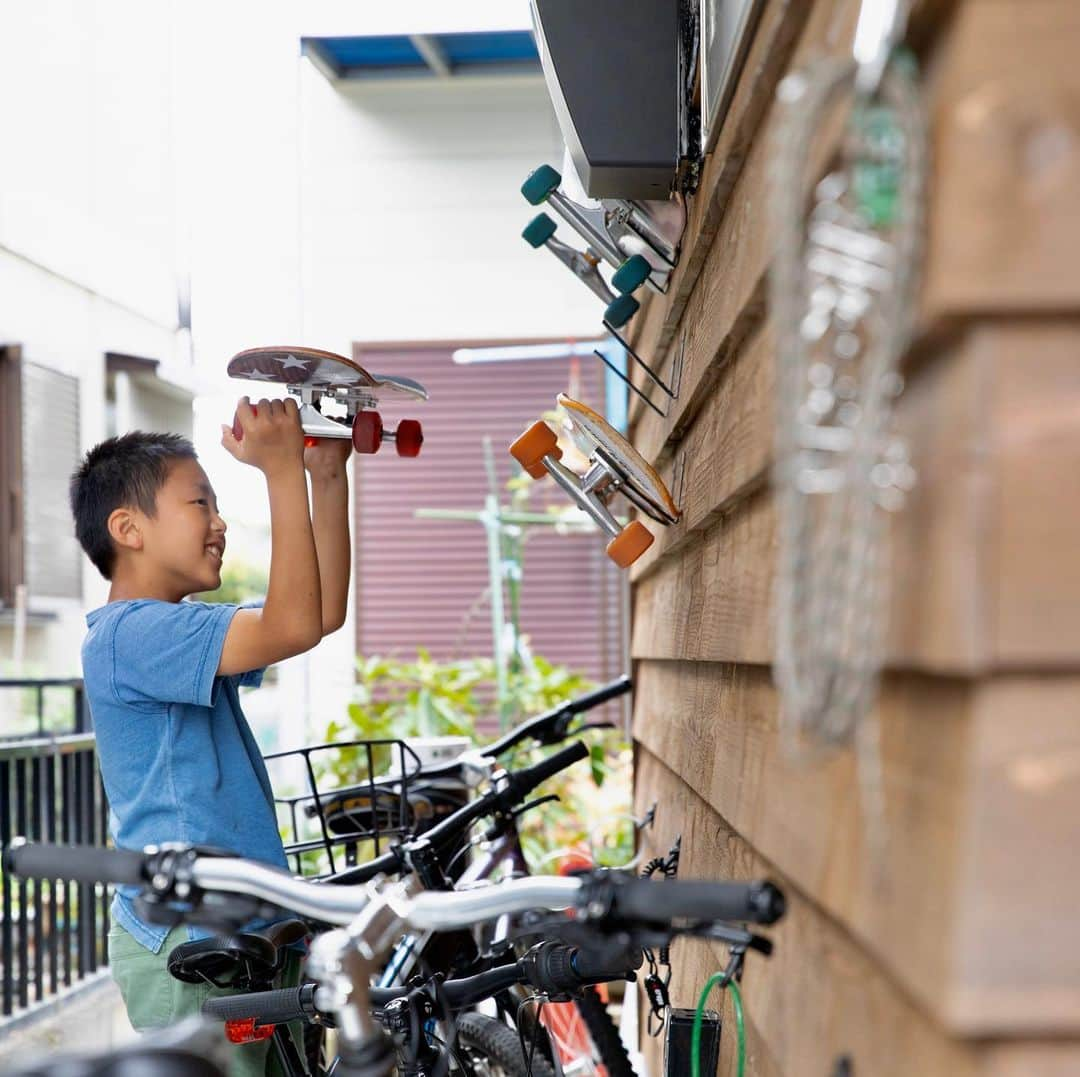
[(123, 528)]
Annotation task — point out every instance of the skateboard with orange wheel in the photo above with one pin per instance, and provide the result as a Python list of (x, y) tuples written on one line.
[(314, 376), (615, 467)]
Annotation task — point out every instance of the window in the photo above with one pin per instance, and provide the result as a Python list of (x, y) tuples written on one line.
[(11, 507), (50, 452), (39, 449)]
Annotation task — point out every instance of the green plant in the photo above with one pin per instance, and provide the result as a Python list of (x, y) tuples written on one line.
[(396, 698)]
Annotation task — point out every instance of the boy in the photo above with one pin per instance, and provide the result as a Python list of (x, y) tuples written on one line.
[(177, 758)]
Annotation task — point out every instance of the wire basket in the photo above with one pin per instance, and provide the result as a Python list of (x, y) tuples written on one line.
[(356, 801)]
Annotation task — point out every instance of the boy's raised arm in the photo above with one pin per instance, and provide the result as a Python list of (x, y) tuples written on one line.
[(290, 621), (326, 463)]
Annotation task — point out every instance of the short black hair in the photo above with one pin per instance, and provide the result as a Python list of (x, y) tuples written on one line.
[(123, 471)]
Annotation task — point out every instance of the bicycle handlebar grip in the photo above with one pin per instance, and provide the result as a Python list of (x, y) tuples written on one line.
[(527, 779), (602, 694), (597, 967), (266, 1007), (640, 899), (79, 863)]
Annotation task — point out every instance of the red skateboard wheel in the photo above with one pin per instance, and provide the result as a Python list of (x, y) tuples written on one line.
[(367, 432), (237, 429), (409, 437)]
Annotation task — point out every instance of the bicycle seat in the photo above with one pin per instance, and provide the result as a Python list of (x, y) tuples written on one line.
[(250, 957)]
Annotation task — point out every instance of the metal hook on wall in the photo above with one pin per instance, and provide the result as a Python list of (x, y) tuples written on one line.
[(671, 391)]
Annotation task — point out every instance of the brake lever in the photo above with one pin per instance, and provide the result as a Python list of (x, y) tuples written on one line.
[(735, 937), (533, 804)]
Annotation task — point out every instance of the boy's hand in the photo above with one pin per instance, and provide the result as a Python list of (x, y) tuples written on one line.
[(326, 459), (272, 439)]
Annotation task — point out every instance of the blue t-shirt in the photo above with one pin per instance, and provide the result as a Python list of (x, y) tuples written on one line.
[(177, 757)]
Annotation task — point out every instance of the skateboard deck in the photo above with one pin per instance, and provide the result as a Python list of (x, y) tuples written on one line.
[(591, 431), (317, 369)]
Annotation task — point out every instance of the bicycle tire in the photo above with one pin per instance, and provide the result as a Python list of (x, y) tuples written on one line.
[(500, 1044), (605, 1035)]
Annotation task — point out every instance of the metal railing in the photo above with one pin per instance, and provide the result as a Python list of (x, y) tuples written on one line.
[(34, 707), (52, 933)]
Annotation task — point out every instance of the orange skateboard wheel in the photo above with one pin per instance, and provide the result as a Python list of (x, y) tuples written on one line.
[(367, 432), (409, 437), (629, 544), (530, 449)]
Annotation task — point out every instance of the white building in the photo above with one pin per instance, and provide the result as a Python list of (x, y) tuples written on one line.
[(92, 270)]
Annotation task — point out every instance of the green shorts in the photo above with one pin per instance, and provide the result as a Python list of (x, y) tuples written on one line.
[(154, 999)]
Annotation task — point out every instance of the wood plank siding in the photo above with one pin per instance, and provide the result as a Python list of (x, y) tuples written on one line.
[(954, 952)]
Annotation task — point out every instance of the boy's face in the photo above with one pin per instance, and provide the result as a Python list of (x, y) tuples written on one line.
[(185, 540)]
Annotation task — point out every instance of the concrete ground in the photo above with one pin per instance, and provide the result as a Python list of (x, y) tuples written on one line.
[(92, 1019)]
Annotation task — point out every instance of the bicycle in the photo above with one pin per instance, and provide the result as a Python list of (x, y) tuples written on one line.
[(436, 854), (612, 912)]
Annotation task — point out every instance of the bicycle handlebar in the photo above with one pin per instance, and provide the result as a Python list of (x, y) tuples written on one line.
[(550, 727), (519, 784), (553, 968), (605, 896)]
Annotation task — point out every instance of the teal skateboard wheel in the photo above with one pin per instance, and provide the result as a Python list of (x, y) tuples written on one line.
[(632, 274), (539, 230), (541, 183), (620, 310)]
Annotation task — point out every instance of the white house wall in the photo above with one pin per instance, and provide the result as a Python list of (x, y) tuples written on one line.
[(89, 228)]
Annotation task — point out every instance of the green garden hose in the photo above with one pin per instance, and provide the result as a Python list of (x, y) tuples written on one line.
[(740, 1030)]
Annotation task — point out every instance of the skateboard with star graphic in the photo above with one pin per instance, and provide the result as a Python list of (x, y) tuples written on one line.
[(614, 467), (317, 378)]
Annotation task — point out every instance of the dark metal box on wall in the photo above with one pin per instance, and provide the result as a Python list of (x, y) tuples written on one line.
[(640, 87), (612, 69)]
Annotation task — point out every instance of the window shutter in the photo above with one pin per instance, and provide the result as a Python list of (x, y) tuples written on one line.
[(50, 454), (11, 515)]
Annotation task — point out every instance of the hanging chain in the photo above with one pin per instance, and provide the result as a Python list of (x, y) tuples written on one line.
[(843, 291)]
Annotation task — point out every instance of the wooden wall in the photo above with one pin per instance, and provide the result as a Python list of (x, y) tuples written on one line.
[(960, 953)]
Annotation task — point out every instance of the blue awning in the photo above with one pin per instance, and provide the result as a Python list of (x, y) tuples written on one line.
[(435, 55)]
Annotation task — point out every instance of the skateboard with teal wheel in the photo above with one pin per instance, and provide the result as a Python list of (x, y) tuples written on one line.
[(614, 467), (639, 240), (540, 232), (314, 377)]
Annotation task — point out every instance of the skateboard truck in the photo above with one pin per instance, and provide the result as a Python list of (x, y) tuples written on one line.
[(620, 308), (362, 425), (617, 230), (537, 451)]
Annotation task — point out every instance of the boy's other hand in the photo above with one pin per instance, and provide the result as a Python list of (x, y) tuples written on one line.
[(272, 439), (326, 459)]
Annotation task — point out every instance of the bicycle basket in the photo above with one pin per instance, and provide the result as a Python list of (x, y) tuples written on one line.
[(339, 804)]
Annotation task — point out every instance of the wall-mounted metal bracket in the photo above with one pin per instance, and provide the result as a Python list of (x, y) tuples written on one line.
[(670, 391)]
